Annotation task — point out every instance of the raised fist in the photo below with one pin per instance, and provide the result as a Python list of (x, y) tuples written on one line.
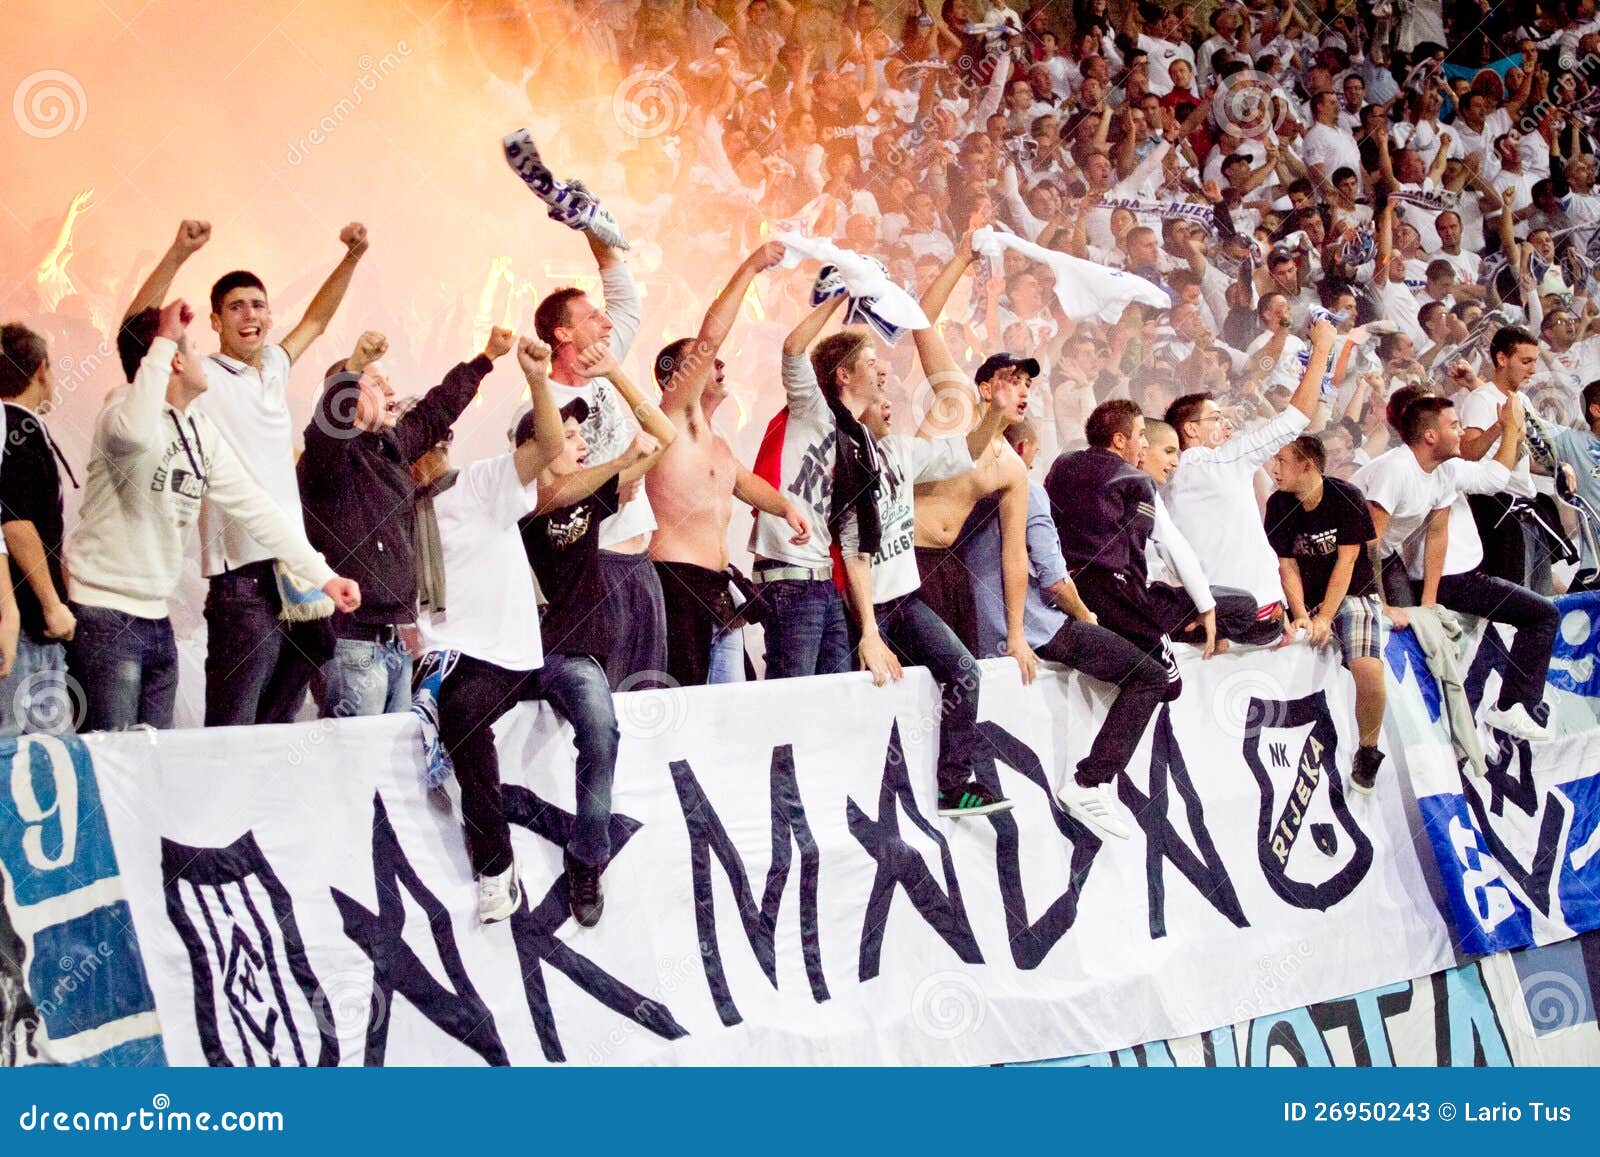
[(192, 236), (499, 343), (596, 361), (370, 346), (175, 318), (354, 238), (534, 358)]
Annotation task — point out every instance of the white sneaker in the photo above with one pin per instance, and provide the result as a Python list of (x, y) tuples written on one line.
[(499, 896), (1515, 720), (1095, 806)]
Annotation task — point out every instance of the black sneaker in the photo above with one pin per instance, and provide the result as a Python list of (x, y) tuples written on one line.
[(970, 799), (583, 892), (1364, 774)]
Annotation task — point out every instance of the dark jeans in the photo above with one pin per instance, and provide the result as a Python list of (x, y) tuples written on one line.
[(697, 604), (805, 629), (474, 695), (1514, 548), (921, 638), (1236, 616), (127, 667), (1124, 606), (947, 591), (1534, 617), (1107, 656), (257, 667), (638, 655), (576, 686)]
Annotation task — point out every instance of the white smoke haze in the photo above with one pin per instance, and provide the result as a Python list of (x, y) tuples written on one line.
[(280, 122)]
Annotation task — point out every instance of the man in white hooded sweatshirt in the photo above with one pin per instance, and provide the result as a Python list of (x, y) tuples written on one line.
[(154, 458)]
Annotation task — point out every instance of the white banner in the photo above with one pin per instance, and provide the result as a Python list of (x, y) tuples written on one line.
[(782, 890)]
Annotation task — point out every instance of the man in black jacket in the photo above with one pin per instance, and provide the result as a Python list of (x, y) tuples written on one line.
[(358, 496), (1104, 511)]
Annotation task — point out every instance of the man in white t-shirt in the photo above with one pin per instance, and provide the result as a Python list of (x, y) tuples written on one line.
[(1328, 145), (1515, 548), (258, 664), (1212, 495), (1162, 43), (1416, 494), (1465, 262), (1274, 358), (485, 646)]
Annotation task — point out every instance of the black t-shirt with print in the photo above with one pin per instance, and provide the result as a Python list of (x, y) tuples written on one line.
[(30, 491), (564, 550), (1313, 537)]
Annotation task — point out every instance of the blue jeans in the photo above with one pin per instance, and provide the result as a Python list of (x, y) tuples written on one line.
[(920, 638), (727, 656), (805, 627), (127, 666), (366, 678), (37, 696), (576, 686)]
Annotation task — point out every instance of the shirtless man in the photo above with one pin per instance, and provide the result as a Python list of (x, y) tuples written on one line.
[(942, 508), (693, 488)]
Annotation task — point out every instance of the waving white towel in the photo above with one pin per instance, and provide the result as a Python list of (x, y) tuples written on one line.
[(862, 277), (1084, 288)]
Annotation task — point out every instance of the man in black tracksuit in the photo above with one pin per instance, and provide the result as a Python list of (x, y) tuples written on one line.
[(1104, 511), (358, 497)]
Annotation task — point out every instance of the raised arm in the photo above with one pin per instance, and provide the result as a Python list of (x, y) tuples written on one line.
[(192, 236), (953, 394), (548, 438), (135, 421), (425, 423), (1307, 395), (689, 380), (326, 303), (810, 327), (597, 362)]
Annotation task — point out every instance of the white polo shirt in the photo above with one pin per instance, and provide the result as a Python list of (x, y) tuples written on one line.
[(491, 612), (251, 409)]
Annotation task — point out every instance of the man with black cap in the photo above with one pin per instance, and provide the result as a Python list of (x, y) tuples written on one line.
[(944, 509)]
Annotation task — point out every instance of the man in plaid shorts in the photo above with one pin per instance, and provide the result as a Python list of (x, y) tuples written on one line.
[(1320, 529)]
